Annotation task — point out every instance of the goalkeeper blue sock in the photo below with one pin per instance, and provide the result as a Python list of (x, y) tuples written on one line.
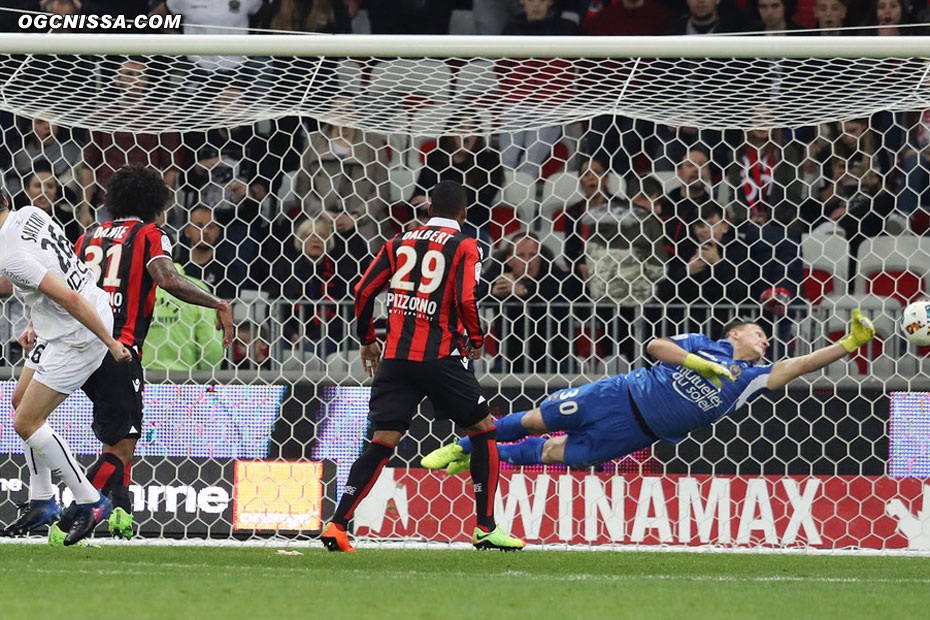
[(509, 428), (527, 452)]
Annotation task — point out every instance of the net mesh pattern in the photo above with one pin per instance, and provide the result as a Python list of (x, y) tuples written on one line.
[(615, 201)]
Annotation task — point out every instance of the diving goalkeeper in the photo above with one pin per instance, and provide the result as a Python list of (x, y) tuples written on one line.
[(697, 382)]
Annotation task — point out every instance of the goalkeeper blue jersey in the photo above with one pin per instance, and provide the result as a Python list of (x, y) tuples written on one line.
[(675, 400)]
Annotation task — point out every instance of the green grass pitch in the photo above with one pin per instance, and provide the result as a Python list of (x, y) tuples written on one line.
[(226, 583)]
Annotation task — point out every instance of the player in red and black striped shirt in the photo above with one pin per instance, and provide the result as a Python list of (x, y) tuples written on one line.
[(431, 274), (130, 256)]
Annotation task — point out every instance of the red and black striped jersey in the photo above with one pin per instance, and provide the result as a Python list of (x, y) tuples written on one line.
[(119, 253), (431, 274)]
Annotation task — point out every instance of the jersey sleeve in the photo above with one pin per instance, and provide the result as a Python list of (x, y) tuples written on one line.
[(158, 245), (691, 343), (467, 295), (754, 383), (24, 269)]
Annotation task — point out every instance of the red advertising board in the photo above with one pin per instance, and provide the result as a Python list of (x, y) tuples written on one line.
[(579, 508)]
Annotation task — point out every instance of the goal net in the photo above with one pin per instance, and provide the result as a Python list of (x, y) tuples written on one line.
[(621, 190)]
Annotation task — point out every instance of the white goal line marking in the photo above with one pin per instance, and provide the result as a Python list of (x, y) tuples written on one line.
[(373, 544), (230, 570)]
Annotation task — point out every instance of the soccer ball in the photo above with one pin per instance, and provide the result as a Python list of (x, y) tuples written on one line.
[(915, 323)]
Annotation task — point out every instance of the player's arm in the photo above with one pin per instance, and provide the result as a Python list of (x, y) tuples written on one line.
[(372, 283), (665, 350), (80, 309), (173, 283), (467, 283), (861, 331)]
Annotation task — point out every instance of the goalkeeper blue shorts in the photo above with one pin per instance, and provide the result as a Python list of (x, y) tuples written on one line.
[(600, 420)]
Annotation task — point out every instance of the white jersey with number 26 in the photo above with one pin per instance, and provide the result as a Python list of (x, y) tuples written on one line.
[(32, 245)]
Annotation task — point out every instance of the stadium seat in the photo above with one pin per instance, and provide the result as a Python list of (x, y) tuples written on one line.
[(402, 180), (894, 266), (826, 266), (254, 306), (345, 361), (504, 223), (520, 193), (880, 355)]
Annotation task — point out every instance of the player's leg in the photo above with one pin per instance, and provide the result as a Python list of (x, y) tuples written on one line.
[(29, 422), (42, 508), (510, 428), (393, 402), (116, 391), (66, 366), (456, 395)]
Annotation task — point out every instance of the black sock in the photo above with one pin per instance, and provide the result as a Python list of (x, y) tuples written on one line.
[(121, 499), (362, 476), (485, 471), (106, 473)]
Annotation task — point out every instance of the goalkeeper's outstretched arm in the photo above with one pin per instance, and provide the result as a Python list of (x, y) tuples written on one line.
[(861, 331)]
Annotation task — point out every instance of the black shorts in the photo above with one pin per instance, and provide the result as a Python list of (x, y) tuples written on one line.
[(400, 385), (116, 391)]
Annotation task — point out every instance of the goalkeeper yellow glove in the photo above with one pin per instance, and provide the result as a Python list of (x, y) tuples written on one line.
[(861, 331), (712, 371)]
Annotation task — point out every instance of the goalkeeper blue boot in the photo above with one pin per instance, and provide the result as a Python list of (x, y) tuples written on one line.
[(496, 539), (86, 518), (33, 515)]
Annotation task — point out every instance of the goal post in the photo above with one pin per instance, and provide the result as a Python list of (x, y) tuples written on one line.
[(597, 169)]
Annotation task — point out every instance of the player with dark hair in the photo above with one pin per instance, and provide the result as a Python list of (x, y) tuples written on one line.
[(613, 417), (431, 274), (71, 328), (128, 256)]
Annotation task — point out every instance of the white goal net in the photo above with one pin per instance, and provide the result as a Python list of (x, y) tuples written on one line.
[(622, 190)]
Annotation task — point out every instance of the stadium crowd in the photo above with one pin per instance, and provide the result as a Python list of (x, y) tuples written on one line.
[(674, 224)]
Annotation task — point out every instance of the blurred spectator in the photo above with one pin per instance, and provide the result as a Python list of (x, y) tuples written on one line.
[(39, 140), (41, 189), (319, 280), (535, 294), (527, 151), (765, 173), (250, 349), (61, 7), (538, 18), (685, 201), (213, 17), (107, 152), (704, 276), (492, 16), (182, 336), (831, 16), (630, 17), (774, 256), (702, 18), (410, 16), (774, 16), (342, 177), (206, 257), (887, 16), (624, 255), (592, 181), (465, 159), (330, 16)]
